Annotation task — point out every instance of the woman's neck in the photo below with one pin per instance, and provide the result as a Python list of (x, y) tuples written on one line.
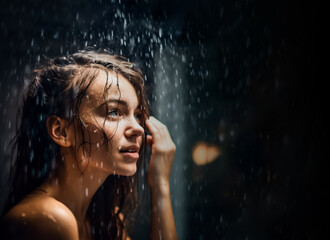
[(74, 187)]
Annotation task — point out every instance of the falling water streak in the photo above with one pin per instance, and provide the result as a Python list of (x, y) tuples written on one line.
[(170, 110)]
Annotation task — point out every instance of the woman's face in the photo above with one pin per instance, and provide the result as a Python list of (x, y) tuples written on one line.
[(117, 113)]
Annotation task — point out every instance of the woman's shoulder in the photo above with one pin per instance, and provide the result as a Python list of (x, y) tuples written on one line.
[(39, 217)]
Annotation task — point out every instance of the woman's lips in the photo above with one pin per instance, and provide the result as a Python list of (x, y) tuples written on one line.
[(131, 154), (131, 151)]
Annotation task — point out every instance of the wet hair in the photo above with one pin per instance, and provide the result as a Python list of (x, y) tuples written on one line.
[(58, 87)]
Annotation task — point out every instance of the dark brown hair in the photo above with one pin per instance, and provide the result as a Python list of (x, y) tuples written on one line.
[(57, 88)]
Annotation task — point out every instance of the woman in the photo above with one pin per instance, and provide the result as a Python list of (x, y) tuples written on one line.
[(81, 140)]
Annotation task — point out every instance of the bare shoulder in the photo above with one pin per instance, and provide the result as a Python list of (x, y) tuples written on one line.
[(40, 217)]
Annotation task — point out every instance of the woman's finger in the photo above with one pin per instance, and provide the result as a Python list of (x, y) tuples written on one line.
[(153, 130), (157, 122), (164, 136), (162, 129)]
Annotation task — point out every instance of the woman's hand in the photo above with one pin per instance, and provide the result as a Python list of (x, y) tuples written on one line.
[(162, 154), (161, 160)]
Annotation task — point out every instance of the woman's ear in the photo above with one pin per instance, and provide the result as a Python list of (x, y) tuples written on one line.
[(58, 130)]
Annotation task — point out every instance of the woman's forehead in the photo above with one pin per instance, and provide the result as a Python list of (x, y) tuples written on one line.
[(108, 85)]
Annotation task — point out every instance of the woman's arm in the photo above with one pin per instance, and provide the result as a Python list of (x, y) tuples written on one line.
[(161, 160)]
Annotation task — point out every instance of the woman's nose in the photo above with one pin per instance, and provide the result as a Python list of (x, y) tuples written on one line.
[(134, 128)]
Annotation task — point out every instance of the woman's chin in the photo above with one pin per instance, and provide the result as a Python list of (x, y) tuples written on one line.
[(128, 172), (125, 171)]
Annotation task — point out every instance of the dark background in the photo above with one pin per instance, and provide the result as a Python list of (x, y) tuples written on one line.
[(251, 74)]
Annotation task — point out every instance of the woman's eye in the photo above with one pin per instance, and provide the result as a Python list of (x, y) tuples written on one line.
[(138, 117), (113, 113)]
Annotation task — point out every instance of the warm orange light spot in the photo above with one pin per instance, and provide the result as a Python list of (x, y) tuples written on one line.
[(204, 153)]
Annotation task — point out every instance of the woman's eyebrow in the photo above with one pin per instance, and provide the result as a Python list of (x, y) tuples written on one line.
[(121, 102)]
